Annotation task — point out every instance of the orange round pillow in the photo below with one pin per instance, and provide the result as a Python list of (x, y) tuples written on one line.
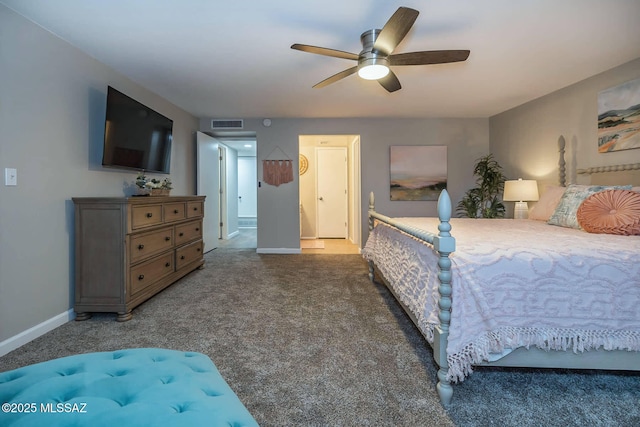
[(611, 212)]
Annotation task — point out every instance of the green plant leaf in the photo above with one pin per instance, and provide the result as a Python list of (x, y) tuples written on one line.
[(483, 201)]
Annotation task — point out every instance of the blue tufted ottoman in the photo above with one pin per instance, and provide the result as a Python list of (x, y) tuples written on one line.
[(136, 387)]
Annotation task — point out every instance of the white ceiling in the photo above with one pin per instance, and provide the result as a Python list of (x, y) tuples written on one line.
[(233, 59)]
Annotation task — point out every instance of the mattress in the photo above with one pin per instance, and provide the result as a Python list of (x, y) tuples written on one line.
[(517, 283)]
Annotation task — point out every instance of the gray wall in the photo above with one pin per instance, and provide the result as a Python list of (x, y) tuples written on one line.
[(52, 107), (278, 209), (524, 139)]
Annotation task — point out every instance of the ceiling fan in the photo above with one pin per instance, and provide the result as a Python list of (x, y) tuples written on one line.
[(376, 56)]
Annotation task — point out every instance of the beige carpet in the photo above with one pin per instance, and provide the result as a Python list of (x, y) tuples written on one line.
[(311, 244)]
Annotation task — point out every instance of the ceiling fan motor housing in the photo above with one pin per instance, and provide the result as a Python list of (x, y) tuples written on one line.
[(368, 56)]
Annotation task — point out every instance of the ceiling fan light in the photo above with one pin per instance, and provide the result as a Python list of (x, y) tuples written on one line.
[(373, 72)]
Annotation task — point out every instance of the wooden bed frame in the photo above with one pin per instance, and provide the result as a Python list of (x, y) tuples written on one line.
[(443, 243)]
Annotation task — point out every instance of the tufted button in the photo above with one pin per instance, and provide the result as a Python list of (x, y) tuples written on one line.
[(167, 380), (212, 393)]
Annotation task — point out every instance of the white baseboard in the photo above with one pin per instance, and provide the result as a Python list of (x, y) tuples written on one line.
[(279, 250), (36, 331), (232, 235)]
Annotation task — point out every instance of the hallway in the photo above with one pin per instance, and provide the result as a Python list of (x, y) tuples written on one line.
[(333, 246), (248, 238)]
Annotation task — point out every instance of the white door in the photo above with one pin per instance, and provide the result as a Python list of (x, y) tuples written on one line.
[(208, 184), (332, 192), (247, 188)]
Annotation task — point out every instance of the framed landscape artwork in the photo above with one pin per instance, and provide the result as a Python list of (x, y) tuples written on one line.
[(619, 117), (417, 172)]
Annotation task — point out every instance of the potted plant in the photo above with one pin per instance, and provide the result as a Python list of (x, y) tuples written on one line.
[(484, 200), (154, 186)]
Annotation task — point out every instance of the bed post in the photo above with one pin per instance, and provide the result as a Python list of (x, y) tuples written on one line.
[(445, 244), (562, 165), (371, 208)]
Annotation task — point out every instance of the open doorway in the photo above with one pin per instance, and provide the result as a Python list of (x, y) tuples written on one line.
[(329, 198), (229, 180)]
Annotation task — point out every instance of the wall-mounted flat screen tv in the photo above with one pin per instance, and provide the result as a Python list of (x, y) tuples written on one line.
[(135, 136)]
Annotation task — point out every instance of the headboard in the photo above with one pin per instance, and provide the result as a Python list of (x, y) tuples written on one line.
[(613, 175), (601, 175)]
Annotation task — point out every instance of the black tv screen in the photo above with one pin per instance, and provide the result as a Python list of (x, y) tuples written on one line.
[(135, 136)]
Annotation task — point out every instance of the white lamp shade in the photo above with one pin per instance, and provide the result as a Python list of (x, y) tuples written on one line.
[(521, 190)]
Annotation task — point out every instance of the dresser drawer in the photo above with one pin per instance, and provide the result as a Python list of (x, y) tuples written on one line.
[(188, 254), (145, 216), (187, 232), (150, 271), (194, 209), (174, 212), (145, 245)]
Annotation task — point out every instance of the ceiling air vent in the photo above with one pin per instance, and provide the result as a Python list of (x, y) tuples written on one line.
[(226, 124)]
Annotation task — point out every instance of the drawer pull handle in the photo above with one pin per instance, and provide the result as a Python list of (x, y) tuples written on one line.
[(141, 277), (182, 257), (198, 249), (197, 228), (168, 264), (149, 214), (181, 234), (141, 247), (167, 238), (195, 209), (175, 211)]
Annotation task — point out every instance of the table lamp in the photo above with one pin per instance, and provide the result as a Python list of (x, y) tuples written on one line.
[(520, 191)]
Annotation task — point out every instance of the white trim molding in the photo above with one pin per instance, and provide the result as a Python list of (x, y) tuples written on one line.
[(279, 250), (36, 331)]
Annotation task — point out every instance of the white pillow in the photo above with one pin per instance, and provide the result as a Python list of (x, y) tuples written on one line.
[(547, 203)]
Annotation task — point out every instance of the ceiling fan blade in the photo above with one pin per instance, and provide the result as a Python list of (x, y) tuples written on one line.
[(324, 51), (390, 82), (429, 57), (341, 75), (395, 29)]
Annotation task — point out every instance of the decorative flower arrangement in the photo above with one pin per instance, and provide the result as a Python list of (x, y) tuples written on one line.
[(156, 186)]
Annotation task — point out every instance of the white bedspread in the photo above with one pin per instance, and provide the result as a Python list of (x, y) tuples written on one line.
[(517, 283)]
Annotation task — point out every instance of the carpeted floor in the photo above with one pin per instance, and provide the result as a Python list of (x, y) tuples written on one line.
[(307, 340)]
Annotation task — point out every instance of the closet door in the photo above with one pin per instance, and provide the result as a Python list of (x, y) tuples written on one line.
[(332, 193)]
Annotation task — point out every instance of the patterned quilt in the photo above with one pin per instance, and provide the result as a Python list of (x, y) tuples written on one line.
[(517, 283)]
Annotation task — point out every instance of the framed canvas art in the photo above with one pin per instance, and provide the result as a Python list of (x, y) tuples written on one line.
[(417, 172), (619, 117)]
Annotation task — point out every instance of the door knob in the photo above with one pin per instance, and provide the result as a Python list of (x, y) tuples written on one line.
[(320, 198)]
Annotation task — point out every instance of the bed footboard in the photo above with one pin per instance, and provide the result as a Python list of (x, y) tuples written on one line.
[(444, 244)]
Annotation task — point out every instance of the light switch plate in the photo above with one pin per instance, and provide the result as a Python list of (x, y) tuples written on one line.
[(10, 176)]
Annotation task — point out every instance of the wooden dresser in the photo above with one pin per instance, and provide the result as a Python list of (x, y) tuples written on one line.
[(129, 249)]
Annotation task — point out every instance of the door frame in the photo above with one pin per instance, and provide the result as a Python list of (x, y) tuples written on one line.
[(308, 142), (222, 192), (355, 232), (207, 184)]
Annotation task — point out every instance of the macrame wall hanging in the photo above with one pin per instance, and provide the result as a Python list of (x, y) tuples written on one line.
[(279, 171)]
